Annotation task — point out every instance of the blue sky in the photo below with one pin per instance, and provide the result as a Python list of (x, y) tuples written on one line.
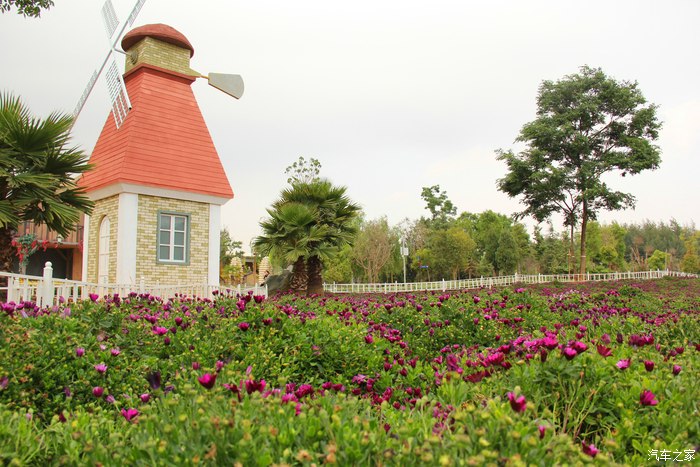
[(390, 96)]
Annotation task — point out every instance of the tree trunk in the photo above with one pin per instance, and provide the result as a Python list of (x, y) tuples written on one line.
[(571, 249), (315, 284), (299, 277), (584, 222)]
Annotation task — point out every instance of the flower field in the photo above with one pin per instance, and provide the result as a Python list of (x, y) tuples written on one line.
[(603, 373)]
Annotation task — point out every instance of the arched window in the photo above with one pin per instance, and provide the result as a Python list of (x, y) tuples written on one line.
[(103, 252)]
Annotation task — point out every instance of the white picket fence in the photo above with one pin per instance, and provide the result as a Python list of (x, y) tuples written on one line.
[(47, 291), (477, 283)]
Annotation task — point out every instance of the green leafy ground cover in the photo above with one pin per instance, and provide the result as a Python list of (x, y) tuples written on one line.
[(558, 374)]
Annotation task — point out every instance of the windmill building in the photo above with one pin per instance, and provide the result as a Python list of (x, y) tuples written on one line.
[(158, 183)]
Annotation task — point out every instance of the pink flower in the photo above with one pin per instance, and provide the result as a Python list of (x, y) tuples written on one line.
[(517, 404), (195, 365), (93, 297), (251, 385), (243, 326), (647, 398), (145, 397), (589, 449), (603, 351), (649, 365), (569, 353), (541, 429), (369, 339), (676, 369), (79, 352), (101, 368), (115, 352), (207, 380), (623, 364), (97, 391), (130, 414), (159, 331), (219, 365)]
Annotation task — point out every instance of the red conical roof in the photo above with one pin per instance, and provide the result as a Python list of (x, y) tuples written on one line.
[(158, 31), (163, 143)]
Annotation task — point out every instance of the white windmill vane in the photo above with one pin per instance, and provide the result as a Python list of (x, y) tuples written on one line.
[(121, 105)]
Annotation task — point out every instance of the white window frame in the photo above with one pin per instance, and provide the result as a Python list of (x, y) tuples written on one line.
[(171, 244), (103, 251)]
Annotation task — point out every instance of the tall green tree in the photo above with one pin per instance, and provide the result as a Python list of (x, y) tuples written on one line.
[(38, 171), (587, 126), (373, 247), (30, 8), (442, 211), (452, 252)]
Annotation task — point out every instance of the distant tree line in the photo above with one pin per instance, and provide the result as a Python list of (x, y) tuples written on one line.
[(445, 245)]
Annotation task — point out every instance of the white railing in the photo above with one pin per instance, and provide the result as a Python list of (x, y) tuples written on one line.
[(477, 283), (47, 291)]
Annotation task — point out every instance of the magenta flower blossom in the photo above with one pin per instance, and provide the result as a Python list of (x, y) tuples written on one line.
[(517, 404), (243, 326), (97, 391), (623, 364), (145, 397), (4, 381), (93, 297), (647, 398), (579, 346), (110, 399), (79, 352), (251, 385), (101, 368), (541, 429), (115, 352), (207, 380), (195, 365), (369, 339), (677, 369), (569, 353), (130, 414), (648, 365), (589, 449), (159, 331), (603, 351)]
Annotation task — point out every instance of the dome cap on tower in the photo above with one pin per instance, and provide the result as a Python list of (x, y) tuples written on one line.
[(158, 31)]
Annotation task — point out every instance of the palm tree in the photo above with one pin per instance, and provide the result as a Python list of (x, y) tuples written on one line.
[(287, 235), (334, 213), (38, 172)]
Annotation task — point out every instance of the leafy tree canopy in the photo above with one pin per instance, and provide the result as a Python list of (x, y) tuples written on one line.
[(30, 8), (303, 171), (587, 125)]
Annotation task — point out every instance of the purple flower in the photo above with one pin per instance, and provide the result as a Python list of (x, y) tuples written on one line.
[(195, 365), (110, 398), (623, 364), (369, 339), (207, 380), (154, 380), (517, 404), (243, 326), (79, 352), (647, 398), (579, 346), (130, 414), (97, 391), (145, 397), (648, 365), (589, 449), (159, 331), (569, 353), (115, 352), (101, 368), (3, 382), (603, 351), (541, 429), (251, 385), (676, 369), (94, 297), (219, 365)]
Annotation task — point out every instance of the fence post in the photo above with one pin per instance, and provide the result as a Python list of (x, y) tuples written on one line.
[(45, 297)]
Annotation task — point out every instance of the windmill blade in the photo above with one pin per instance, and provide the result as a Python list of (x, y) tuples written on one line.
[(117, 93), (134, 13), (109, 16), (230, 84)]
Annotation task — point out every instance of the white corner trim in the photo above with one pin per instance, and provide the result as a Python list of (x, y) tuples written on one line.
[(214, 243), (127, 224), (86, 248), (118, 188)]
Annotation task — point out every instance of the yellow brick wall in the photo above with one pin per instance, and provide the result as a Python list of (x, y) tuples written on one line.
[(161, 54), (104, 207), (147, 265)]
